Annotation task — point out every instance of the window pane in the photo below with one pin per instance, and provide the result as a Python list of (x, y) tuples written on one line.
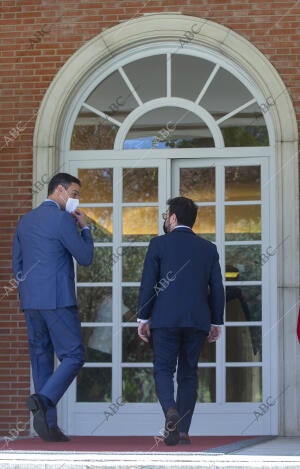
[(92, 132), (205, 224), (100, 223), (138, 385), (188, 85), (140, 223), (244, 384), (208, 353), (242, 222), (169, 127), (243, 344), (94, 385), (244, 135), (97, 185), (198, 184), (242, 183), (101, 268), (245, 261), (246, 128), (134, 349), (148, 76), (130, 300), (206, 385), (95, 304), (243, 303), (225, 94), (133, 261), (113, 97), (140, 185), (98, 343)]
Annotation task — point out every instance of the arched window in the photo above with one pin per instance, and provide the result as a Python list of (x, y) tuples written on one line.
[(171, 99)]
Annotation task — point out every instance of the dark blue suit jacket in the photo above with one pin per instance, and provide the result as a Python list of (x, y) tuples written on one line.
[(179, 269), (45, 240)]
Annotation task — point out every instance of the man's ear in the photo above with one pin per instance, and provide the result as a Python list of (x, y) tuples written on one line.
[(60, 192), (60, 189), (173, 219)]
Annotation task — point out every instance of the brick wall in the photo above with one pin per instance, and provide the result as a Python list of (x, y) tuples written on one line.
[(37, 38)]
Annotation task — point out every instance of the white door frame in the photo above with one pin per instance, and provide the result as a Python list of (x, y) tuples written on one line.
[(89, 418)]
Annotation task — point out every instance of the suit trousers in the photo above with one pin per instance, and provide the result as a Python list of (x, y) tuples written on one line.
[(179, 346), (52, 331)]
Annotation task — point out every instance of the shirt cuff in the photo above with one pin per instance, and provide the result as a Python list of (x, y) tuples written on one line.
[(143, 321), (217, 325)]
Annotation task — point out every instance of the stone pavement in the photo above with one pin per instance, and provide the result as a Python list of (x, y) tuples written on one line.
[(278, 452)]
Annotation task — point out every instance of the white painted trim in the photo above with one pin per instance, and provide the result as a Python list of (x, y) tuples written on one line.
[(236, 111), (102, 114), (172, 102), (175, 153), (207, 84), (130, 86)]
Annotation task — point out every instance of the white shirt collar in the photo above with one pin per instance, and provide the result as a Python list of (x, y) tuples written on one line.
[(182, 226)]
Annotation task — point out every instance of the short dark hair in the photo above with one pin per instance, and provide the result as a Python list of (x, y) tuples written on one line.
[(64, 179), (185, 210)]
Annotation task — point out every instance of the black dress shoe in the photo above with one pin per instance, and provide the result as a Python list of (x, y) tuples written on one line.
[(57, 435), (171, 431), (38, 409)]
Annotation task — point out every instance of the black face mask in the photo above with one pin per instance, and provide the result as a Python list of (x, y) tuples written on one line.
[(165, 228)]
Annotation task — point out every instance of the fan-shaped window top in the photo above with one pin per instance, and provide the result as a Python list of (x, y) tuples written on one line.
[(170, 100)]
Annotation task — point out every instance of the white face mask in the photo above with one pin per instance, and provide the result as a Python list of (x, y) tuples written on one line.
[(71, 205)]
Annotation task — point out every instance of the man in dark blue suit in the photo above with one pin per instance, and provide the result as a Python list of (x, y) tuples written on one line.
[(45, 242), (181, 304)]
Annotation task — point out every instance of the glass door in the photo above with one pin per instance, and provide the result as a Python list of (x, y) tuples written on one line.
[(114, 393), (234, 374), (123, 201)]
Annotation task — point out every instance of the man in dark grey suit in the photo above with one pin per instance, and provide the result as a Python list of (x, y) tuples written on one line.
[(45, 242), (181, 304)]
